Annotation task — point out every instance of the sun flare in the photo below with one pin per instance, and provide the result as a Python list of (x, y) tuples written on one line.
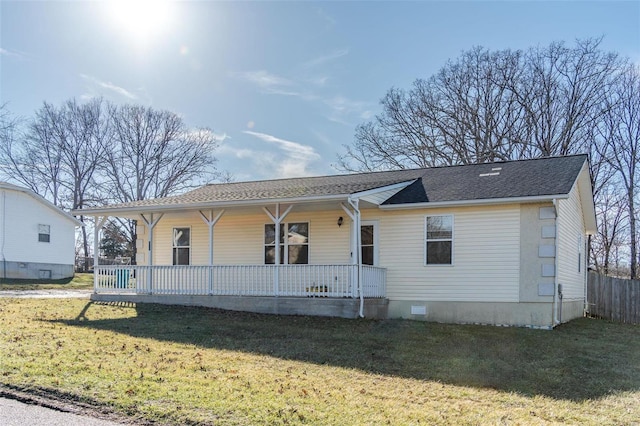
[(141, 19)]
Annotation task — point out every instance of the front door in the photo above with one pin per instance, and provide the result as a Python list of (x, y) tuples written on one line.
[(369, 239)]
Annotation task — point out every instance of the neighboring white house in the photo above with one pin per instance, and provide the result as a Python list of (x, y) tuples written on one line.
[(37, 239), (502, 243)]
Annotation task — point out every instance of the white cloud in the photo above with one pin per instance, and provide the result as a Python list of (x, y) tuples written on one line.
[(97, 86), (12, 53), (342, 109), (323, 59), (272, 84), (293, 161), (268, 82), (328, 19), (240, 153)]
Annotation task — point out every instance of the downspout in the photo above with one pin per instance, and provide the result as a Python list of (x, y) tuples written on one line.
[(4, 214), (586, 248), (557, 293), (354, 202)]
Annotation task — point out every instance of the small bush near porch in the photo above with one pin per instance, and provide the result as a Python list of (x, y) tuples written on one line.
[(181, 365)]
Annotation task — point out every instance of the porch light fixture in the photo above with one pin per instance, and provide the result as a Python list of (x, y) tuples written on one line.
[(340, 220)]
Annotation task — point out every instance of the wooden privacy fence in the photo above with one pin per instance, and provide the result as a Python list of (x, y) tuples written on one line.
[(613, 298)]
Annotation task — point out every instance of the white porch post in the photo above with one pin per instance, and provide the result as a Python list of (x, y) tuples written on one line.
[(277, 220), (98, 223), (151, 223), (210, 221), (354, 247), (357, 244)]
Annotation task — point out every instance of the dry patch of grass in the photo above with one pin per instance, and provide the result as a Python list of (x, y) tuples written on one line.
[(78, 282), (200, 366)]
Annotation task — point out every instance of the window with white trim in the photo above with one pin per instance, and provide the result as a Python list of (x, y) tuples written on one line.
[(439, 240), (294, 247), (181, 246), (44, 233)]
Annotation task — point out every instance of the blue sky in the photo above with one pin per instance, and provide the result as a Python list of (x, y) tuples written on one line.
[(283, 84)]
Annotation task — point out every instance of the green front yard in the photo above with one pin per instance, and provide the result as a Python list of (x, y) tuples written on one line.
[(78, 282), (182, 365)]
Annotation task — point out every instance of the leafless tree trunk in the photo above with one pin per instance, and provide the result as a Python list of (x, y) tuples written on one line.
[(154, 155), (612, 220), (620, 129)]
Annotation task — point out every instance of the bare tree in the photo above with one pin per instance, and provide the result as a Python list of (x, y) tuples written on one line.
[(562, 93), (466, 113), (487, 106), (154, 154), (612, 220), (58, 155), (502, 105), (620, 129), (32, 158)]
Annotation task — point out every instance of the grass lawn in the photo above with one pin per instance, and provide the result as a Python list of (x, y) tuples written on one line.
[(180, 365), (79, 281)]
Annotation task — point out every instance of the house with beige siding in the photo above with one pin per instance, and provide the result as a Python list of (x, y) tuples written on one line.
[(37, 239), (500, 243)]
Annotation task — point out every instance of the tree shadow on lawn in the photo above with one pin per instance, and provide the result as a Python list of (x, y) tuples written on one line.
[(583, 359)]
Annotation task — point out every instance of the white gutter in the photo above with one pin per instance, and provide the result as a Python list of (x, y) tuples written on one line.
[(211, 204), (354, 204), (487, 201)]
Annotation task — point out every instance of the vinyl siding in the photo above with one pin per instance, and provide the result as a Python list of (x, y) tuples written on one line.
[(570, 231), (486, 248), (23, 214), (486, 255), (239, 237)]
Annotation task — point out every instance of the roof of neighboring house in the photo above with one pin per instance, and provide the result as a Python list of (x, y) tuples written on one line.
[(501, 180), (47, 203)]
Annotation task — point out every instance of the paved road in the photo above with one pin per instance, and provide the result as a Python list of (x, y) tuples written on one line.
[(16, 413), (47, 294)]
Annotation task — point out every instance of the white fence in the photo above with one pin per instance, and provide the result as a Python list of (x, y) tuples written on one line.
[(242, 280)]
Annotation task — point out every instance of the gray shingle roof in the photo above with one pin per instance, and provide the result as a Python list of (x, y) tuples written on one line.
[(511, 179), (525, 178)]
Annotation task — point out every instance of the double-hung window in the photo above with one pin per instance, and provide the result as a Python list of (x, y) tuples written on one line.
[(181, 246), (44, 233), (294, 243), (439, 240)]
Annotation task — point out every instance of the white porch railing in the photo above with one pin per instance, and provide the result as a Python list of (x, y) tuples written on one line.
[(242, 280)]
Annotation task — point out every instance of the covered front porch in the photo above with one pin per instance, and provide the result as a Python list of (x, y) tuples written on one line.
[(320, 268), (320, 290), (337, 281)]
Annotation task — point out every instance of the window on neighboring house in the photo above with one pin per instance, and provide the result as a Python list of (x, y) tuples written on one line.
[(439, 240), (181, 246), (44, 233), (294, 247)]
